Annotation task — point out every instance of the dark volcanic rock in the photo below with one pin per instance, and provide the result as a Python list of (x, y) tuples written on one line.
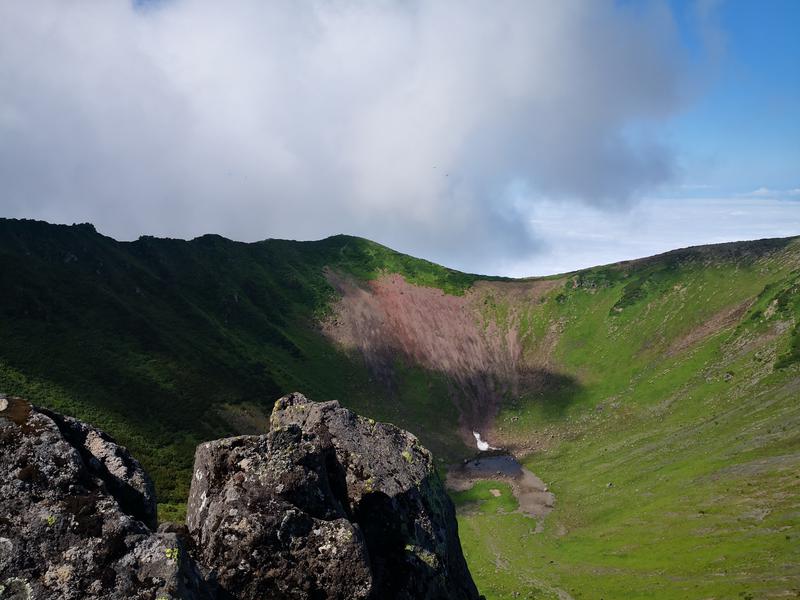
[(265, 519), (326, 505), (70, 525)]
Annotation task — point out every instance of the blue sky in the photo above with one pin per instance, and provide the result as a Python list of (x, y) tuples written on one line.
[(515, 137), (743, 131)]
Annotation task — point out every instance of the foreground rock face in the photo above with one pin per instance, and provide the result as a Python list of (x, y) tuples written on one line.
[(75, 514), (326, 505)]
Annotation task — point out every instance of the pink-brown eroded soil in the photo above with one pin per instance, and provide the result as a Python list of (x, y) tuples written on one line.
[(388, 318)]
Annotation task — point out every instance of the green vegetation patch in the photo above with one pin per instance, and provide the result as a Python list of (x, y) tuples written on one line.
[(486, 497), (674, 462)]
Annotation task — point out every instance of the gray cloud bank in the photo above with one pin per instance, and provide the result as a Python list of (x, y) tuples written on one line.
[(408, 122)]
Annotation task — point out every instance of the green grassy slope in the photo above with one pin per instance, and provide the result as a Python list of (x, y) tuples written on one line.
[(689, 407), (149, 339)]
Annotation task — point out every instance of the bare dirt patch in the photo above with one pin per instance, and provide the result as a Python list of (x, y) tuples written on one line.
[(388, 317), (722, 320), (759, 466)]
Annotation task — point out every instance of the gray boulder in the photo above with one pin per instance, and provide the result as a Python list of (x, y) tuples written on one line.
[(326, 505), (123, 475), (76, 510)]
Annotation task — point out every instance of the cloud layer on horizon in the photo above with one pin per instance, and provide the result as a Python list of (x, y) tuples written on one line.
[(580, 236), (412, 123)]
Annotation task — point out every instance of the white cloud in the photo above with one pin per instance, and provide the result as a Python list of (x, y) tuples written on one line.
[(765, 192), (402, 121), (579, 236)]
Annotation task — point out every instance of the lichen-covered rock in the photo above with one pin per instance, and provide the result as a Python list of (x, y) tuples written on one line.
[(326, 505), (70, 526), (266, 519)]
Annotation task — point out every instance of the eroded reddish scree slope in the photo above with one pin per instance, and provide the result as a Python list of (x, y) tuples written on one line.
[(448, 334)]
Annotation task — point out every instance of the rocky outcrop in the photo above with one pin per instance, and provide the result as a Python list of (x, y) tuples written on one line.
[(326, 505), (108, 461), (75, 513)]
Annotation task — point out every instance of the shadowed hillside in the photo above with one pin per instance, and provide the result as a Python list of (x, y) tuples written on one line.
[(656, 397), (165, 343)]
